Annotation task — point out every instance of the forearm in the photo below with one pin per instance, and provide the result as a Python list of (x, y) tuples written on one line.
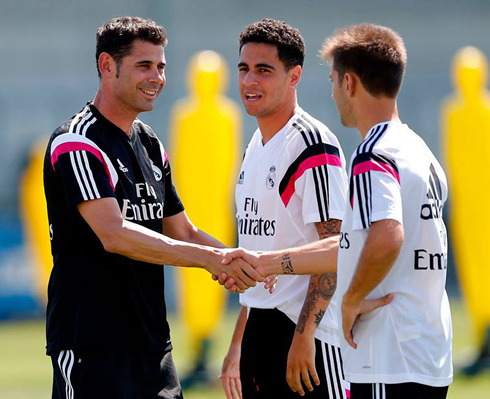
[(236, 339), (197, 236), (380, 252), (140, 243), (318, 297), (318, 257)]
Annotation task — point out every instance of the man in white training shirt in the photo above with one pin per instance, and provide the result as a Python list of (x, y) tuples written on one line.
[(291, 191), (393, 238)]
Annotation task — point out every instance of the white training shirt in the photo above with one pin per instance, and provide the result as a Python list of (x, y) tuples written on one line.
[(394, 175), (297, 178)]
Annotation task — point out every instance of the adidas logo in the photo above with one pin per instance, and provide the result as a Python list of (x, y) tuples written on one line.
[(241, 178), (122, 168)]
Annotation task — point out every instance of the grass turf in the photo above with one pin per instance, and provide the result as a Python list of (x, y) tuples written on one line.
[(25, 371)]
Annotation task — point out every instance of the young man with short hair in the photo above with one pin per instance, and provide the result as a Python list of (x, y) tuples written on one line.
[(393, 238), (290, 192), (110, 197)]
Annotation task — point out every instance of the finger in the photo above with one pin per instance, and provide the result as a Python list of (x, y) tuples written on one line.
[(314, 374), (229, 256), (233, 388), (272, 289), (242, 284), (289, 378), (368, 305), (214, 277), (222, 278), (229, 283), (349, 337), (295, 380), (250, 271), (306, 379), (270, 281), (226, 386), (238, 383), (241, 274)]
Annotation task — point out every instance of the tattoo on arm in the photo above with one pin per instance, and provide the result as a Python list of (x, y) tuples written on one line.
[(310, 302), (319, 317), (287, 265), (322, 288), (327, 285), (329, 228)]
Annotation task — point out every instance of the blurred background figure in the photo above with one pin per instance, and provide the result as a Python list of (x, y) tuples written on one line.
[(35, 218), (466, 132), (205, 136)]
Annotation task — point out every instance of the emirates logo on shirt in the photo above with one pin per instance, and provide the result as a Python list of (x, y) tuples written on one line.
[(270, 181)]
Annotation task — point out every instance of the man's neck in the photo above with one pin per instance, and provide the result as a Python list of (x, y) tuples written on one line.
[(377, 111), (113, 112), (271, 124)]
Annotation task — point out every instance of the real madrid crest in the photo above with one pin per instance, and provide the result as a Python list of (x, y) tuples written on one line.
[(270, 181), (156, 171)]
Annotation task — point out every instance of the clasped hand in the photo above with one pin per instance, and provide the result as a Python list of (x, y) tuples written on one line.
[(242, 270)]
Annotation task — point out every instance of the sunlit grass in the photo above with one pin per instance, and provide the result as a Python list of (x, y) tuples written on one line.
[(25, 371)]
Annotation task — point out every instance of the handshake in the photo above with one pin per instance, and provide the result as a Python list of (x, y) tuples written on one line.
[(240, 269)]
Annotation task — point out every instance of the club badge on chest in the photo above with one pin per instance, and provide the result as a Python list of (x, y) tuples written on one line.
[(270, 181)]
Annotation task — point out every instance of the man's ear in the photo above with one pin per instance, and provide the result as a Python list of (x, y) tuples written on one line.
[(295, 75), (107, 65), (350, 83)]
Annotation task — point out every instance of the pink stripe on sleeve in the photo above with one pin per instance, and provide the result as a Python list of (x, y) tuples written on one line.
[(312, 162), (376, 166), (77, 146)]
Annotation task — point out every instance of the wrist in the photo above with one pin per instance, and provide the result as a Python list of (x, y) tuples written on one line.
[(307, 334), (209, 261), (266, 262), (351, 299)]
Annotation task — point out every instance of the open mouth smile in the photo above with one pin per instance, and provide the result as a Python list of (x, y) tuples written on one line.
[(252, 97)]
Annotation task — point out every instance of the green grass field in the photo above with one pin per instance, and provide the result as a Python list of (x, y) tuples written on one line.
[(25, 372)]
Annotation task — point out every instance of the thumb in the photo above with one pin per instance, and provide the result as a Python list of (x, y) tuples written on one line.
[(368, 305), (228, 258)]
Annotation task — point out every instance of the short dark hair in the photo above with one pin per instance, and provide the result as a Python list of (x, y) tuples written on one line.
[(116, 37), (288, 40), (375, 53)]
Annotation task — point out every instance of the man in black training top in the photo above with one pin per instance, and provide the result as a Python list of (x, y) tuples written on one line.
[(110, 197)]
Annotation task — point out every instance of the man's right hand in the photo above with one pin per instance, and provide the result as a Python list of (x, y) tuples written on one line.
[(240, 274), (230, 373)]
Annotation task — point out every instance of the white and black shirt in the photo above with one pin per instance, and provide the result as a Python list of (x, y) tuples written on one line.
[(98, 300), (394, 175), (296, 179)]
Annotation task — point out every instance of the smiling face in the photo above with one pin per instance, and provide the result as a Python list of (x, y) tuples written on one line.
[(140, 77), (265, 85)]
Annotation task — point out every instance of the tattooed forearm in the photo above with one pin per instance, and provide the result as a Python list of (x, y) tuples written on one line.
[(327, 285), (320, 291), (319, 317), (287, 265), (329, 228), (309, 306)]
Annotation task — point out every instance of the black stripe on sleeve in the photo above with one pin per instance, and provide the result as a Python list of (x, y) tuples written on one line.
[(360, 202), (316, 149)]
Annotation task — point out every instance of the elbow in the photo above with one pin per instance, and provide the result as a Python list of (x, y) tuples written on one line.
[(394, 245), (111, 242)]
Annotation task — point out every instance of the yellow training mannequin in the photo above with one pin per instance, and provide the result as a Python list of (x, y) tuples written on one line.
[(205, 146), (466, 132), (35, 217)]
